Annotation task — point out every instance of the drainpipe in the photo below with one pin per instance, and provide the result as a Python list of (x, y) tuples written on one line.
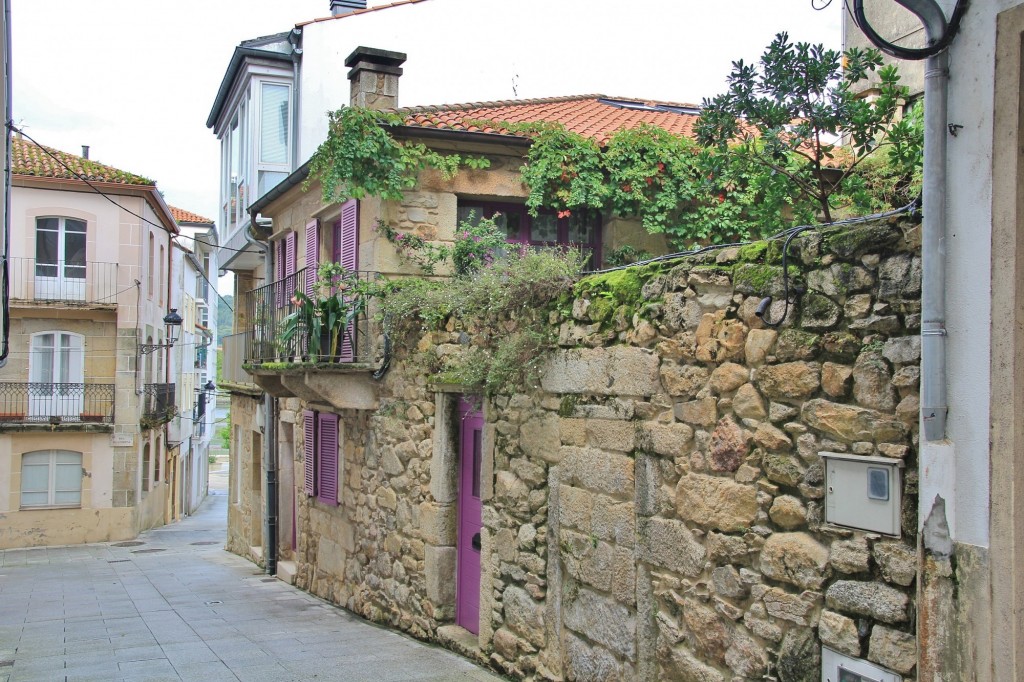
[(933, 239), (933, 249), (269, 436), (5, 313)]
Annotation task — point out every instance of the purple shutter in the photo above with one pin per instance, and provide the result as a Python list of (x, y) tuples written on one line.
[(312, 254), (346, 245), (327, 458), (279, 273), (309, 435), (290, 243)]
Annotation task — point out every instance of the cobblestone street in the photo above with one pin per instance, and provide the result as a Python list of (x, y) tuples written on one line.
[(173, 605)]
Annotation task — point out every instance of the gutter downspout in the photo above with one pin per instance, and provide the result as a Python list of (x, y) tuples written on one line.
[(5, 323), (933, 239), (933, 249), (940, 33), (269, 436)]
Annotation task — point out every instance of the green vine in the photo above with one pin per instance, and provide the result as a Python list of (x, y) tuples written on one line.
[(360, 158), (504, 307), (478, 242)]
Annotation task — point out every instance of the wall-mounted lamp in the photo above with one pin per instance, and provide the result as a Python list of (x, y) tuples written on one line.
[(172, 320)]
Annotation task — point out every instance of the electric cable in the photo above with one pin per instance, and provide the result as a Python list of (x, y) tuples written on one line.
[(97, 190), (789, 234), (913, 54)]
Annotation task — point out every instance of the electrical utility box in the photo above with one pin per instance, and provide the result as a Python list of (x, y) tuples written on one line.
[(863, 492), (836, 667)]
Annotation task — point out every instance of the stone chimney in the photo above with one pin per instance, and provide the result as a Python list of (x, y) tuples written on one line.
[(339, 7), (85, 151), (374, 74)]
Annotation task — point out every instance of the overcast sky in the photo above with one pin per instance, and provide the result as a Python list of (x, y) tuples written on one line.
[(135, 79)]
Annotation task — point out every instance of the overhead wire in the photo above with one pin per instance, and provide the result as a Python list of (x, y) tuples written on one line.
[(97, 190)]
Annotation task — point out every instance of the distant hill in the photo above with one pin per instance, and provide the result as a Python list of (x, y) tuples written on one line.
[(225, 316)]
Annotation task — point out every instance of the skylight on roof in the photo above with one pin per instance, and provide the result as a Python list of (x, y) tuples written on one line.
[(640, 106), (627, 104)]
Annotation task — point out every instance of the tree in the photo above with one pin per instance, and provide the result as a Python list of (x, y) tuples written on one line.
[(788, 113), (225, 317)]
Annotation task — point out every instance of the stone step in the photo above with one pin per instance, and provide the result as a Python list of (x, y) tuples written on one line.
[(286, 571)]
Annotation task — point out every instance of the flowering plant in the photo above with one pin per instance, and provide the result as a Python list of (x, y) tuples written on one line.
[(477, 244)]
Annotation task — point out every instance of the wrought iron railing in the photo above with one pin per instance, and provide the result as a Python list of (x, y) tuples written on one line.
[(233, 352), (35, 402), (158, 402), (84, 282), (281, 332)]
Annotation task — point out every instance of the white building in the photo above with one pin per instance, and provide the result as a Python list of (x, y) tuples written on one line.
[(196, 353)]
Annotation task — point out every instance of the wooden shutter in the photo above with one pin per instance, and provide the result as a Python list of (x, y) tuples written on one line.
[(290, 242), (327, 458), (312, 254), (347, 244), (279, 272), (309, 450)]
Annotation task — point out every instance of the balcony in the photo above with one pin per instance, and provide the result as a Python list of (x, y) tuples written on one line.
[(158, 405), (233, 375), (285, 361), (56, 405), (80, 284)]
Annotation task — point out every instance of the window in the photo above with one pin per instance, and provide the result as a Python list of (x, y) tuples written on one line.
[(546, 229), (149, 272), (56, 373), (160, 283), (51, 478), (321, 460), (60, 259), (275, 132)]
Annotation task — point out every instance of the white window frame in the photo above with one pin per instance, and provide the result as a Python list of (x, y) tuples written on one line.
[(260, 165), (51, 492)]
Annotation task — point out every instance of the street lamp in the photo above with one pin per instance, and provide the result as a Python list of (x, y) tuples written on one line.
[(172, 320)]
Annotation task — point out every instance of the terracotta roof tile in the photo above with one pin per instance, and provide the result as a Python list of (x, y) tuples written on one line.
[(353, 13), (29, 159), (183, 216), (593, 116)]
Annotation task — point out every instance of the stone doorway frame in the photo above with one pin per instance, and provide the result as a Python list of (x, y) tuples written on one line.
[(1005, 624), (439, 516)]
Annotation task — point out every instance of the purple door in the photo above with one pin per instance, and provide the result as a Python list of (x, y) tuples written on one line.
[(467, 586)]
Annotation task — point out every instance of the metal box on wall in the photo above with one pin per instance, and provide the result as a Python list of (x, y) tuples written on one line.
[(835, 667), (863, 492)]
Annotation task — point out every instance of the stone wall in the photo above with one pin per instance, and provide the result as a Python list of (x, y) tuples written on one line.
[(245, 499), (654, 509)]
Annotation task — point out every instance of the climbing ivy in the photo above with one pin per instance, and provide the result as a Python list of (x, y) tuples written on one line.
[(360, 158)]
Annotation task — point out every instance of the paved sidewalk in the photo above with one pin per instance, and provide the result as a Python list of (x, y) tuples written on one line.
[(176, 606)]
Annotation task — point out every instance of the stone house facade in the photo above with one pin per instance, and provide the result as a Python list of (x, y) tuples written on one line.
[(653, 509)]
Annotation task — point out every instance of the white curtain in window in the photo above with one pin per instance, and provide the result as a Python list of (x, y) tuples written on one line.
[(274, 124)]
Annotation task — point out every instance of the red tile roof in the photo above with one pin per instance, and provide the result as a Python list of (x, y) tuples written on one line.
[(27, 158), (360, 11), (183, 216), (594, 116)]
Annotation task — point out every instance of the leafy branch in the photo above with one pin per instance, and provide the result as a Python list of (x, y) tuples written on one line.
[(361, 157)]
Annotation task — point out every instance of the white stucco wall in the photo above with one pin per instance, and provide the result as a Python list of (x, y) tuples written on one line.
[(959, 469)]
